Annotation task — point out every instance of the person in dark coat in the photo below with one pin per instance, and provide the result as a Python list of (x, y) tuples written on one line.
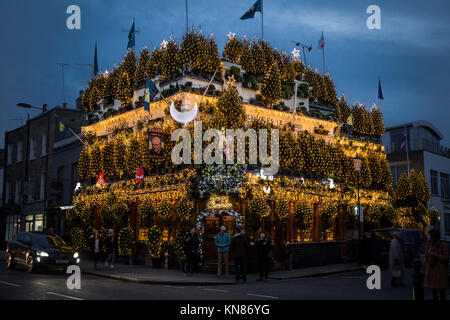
[(96, 246), (263, 250), (191, 247), (66, 237), (240, 245), (111, 248)]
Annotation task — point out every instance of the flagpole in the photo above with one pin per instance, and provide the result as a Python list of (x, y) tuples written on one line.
[(407, 151), (323, 57), (187, 23), (262, 19)]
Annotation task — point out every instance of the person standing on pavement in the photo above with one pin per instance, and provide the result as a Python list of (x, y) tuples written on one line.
[(263, 250), (111, 248), (222, 243), (240, 245), (192, 244), (436, 265), (95, 244), (396, 260)]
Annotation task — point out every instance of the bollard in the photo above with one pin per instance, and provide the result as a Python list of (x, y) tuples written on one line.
[(166, 260)]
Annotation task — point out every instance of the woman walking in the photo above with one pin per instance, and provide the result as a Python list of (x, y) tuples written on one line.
[(436, 266)]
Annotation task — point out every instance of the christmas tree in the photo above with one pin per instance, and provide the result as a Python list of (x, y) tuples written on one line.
[(233, 50), (170, 63), (271, 88), (143, 66)]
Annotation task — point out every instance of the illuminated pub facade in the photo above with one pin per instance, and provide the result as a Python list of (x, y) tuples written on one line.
[(131, 184)]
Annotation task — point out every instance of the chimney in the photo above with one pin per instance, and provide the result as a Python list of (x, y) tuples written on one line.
[(44, 107), (65, 105)]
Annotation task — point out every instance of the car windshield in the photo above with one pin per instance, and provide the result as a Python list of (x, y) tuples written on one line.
[(45, 240)]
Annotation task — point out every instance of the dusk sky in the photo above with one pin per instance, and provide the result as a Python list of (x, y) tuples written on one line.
[(410, 52)]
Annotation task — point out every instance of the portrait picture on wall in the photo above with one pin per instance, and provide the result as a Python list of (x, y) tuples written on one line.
[(156, 141)]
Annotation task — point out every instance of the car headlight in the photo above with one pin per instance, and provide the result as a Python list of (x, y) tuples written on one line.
[(76, 255), (42, 253)]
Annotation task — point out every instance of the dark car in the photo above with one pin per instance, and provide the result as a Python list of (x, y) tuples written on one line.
[(411, 240), (38, 251)]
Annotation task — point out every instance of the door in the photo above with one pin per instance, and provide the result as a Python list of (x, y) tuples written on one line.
[(211, 227)]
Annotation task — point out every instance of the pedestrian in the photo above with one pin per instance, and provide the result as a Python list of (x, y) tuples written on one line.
[(223, 247), (95, 244), (366, 250), (263, 254), (66, 237), (240, 245), (111, 248), (191, 247), (396, 260), (436, 265)]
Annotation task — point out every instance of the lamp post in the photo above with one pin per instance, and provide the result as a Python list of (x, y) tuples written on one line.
[(357, 166)]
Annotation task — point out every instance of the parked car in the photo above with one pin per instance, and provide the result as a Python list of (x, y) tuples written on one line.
[(411, 240), (38, 251)]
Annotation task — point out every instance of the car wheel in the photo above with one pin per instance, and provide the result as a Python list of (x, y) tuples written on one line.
[(10, 264), (30, 264)]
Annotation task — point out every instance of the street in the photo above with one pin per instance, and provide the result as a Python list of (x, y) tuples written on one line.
[(17, 284)]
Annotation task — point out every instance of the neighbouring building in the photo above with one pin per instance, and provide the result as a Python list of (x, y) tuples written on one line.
[(30, 159), (426, 154)]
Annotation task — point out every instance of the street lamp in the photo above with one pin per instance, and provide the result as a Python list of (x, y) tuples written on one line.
[(29, 106), (357, 166)]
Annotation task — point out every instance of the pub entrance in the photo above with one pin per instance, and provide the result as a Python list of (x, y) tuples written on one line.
[(210, 228)]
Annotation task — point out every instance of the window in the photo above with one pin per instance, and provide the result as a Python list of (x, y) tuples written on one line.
[(44, 145), (32, 188), (10, 153), (447, 223), (8, 192), (42, 188), (434, 182), (11, 226), (33, 149), (445, 187), (74, 176), (19, 151), (18, 191)]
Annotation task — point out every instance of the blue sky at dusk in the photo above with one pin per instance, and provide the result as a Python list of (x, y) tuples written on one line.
[(410, 52)]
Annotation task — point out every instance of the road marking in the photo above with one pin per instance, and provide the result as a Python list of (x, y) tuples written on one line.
[(260, 295), (10, 284), (216, 290), (64, 296), (40, 283), (166, 285)]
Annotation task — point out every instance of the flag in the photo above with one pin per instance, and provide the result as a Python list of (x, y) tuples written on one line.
[(131, 37), (95, 60), (250, 14), (380, 92), (63, 130), (404, 140), (322, 42), (150, 92), (349, 122)]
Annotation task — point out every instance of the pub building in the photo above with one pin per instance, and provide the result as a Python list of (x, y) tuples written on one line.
[(309, 208)]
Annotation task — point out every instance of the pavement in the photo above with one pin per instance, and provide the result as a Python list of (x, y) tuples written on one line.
[(149, 275)]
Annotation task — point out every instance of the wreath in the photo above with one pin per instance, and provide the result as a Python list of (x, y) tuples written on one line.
[(164, 209)]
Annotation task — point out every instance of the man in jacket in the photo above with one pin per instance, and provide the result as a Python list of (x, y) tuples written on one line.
[(263, 250), (222, 243), (240, 245), (96, 246), (192, 244)]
